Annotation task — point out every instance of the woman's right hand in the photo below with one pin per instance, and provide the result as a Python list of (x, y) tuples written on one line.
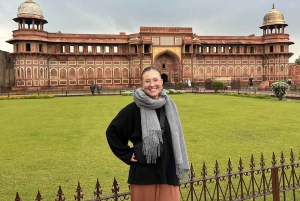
[(133, 158)]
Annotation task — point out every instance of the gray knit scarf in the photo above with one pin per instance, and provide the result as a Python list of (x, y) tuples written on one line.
[(152, 133)]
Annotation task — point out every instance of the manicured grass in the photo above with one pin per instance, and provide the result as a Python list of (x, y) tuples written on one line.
[(45, 143)]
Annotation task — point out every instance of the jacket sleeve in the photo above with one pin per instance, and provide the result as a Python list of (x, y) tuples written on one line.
[(118, 136)]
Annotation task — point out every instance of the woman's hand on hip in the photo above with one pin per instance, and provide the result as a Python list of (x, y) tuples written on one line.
[(133, 158)]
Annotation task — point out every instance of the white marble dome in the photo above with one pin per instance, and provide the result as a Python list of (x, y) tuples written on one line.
[(30, 9), (273, 17)]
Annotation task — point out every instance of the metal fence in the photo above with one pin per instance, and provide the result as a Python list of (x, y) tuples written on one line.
[(280, 181)]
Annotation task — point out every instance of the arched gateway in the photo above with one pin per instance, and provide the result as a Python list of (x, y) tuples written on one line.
[(168, 62)]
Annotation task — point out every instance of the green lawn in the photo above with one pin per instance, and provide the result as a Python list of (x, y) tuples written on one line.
[(45, 143)]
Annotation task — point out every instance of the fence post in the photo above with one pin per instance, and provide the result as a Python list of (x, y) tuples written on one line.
[(275, 184)]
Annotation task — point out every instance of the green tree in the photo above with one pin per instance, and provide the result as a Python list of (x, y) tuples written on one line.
[(297, 61), (217, 85)]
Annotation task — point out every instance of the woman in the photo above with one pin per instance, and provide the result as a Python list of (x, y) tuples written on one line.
[(158, 158)]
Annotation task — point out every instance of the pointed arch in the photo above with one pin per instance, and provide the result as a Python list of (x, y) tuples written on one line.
[(168, 52), (230, 71), (35, 73), (107, 72), (90, 72), (259, 70), (125, 72), (116, 72), (72, 73), (208, 71), (63, 73), (81, 72), (99, 72), (187, 72), (53, 73), (41, 73), (28, 73), (223, 71), (136, 72)]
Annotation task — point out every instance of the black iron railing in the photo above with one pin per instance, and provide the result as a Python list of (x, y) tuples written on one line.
[(280, 181)]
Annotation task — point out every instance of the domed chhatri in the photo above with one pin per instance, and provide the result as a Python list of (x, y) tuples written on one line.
[(30, 9), (273, 17)]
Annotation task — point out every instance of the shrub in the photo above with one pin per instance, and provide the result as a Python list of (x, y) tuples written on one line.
[(173, 91), (181, 85), (127, 92), (217, 85), (167, 85), (193, 84), (280, 89), (33, 96)]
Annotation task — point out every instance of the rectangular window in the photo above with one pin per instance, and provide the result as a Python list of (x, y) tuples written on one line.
[(208, 49), (72, 49), (115, 49), (223, 49), (62, 49), (40, 47), (215, 49), (98, 49), (237, 49), (80, 48), (106, 49), (245, 49), (146, 48), (135, 49), (17, 47), (252, 50), (28, 47), (271, 49), (281, 48), (200, 49), (90, 49), (230, 49), (187, 48)]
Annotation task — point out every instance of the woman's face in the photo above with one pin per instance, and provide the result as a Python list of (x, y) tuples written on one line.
[(152, 83)]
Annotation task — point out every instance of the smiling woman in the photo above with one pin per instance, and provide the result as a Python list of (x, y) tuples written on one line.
[(158, 158), (152, 82)]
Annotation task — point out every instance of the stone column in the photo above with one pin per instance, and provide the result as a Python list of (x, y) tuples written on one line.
[(33, 25)]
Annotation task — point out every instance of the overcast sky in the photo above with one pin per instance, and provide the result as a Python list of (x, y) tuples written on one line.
[(206, 17)]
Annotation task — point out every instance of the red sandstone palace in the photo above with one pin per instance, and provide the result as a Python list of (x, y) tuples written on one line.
[(44, 60)]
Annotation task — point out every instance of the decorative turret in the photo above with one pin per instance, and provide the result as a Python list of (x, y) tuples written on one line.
[(276, 46), (30, 35), (30, 14), (273, 22)]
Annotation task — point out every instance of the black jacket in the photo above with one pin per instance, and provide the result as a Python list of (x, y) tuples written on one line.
[(125, 127)]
